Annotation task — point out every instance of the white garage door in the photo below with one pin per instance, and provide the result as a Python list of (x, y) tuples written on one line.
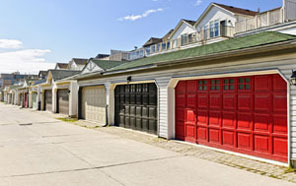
[(93, 104)]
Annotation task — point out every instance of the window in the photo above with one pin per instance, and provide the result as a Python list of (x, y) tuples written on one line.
[(147, 49), (183, 39), (215, 84), (163, 46), (202, 85), (244, 83), (214, 29), (228, 84), (206, 32), (190, 38), (158, 47), (175, 43), (168, 45), (153, 49)]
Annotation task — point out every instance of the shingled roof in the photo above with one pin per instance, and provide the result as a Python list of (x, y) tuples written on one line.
[(152, 40), (209, 49), (80, 61), (237, 10), (191, 22), (62, 65), (106, 64), (61, 74)]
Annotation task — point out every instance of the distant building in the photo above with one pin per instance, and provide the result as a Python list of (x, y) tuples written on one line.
[(61, 66), (14, 78)]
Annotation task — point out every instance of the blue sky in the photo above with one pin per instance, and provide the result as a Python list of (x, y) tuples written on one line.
[(34, 34)]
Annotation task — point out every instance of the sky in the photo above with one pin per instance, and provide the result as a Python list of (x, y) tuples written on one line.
[(36, 34)]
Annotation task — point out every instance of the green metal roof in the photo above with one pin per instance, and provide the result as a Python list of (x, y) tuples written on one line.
[(106, 64), (214, 48)]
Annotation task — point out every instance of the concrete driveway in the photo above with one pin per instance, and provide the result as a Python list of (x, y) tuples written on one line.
[(36, 149)]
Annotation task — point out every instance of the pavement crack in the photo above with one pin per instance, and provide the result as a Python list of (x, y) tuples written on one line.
[(76, 155), (91, 168), (112, 178)]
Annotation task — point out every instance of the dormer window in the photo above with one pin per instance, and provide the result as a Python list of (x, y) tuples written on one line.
[(158, 47), (168, 45), (190, 38), (214, 28), (147, 50), (163, 46), (153, 49), (183, 39)]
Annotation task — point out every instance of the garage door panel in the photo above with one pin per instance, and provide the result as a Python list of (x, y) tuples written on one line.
[(279, 84), (190, 131), (245, 102), (281, 146), (280, 124), (214, 118), (228, 138), (190, 116), (261, 143), (202, 100), (202, 117), (214, 135), (215, 101), (244, 141), (229, 101), (279, 102), (262, 102), (229, 119), (202, 133), (191, 100), (244, 121), (262, 83), (244, 114), (261, 122)]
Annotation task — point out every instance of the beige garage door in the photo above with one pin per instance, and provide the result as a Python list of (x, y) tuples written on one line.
[(94, 104)]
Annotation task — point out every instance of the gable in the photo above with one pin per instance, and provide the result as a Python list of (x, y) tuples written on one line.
[(215, 13), (183, 29), (91, 67)]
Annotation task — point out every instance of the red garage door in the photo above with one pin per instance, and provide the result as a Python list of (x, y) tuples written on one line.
[(241, 114)]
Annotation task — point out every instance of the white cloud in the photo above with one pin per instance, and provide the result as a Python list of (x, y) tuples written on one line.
[(140, 16), (25, 61), (10, 44), (198, 2)]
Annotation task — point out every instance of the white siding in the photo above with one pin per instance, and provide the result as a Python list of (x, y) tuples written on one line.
[(216, 13), (183, 29)]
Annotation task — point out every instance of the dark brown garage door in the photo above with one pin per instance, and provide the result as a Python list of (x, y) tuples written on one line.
[(63, 101), (136, 107), (48, 100)]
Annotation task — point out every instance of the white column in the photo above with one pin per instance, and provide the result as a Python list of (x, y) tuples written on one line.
[(54, 99), (166, 107), (73, 99), (110, 100)]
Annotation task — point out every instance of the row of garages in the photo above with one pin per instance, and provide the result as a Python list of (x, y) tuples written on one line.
[(242, 105)]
